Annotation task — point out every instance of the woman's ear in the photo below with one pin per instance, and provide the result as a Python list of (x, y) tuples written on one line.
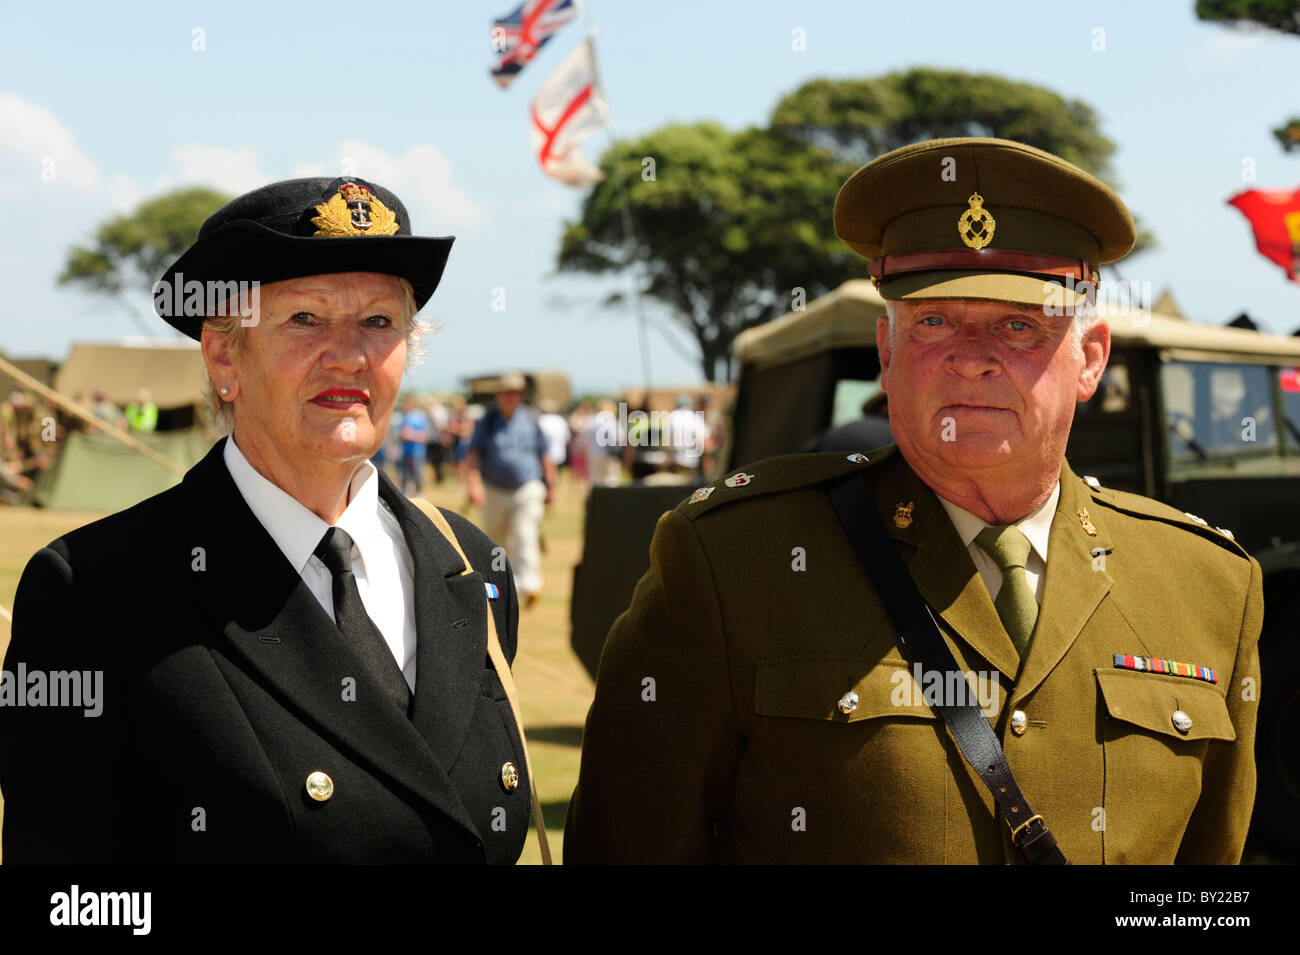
[(220, 363)]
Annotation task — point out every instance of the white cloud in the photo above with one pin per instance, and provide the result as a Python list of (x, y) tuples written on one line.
[(37, 135), (421, 176), (230, 170)]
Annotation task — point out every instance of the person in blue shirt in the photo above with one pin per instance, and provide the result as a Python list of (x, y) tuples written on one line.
[(512, 479), (415, 439)]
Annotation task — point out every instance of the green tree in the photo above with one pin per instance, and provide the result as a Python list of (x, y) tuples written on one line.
[(733, 223), (130, 252), (731, 231), (860, 119), (1280, 15), (863, 118)]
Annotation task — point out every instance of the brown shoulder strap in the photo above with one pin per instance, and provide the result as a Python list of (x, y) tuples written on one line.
[(503, 673)]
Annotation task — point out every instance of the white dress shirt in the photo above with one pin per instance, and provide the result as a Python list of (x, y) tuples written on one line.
[(1036, 526), (381, 560)]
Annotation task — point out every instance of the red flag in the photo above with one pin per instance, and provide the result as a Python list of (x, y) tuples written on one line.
[(1275, 218)]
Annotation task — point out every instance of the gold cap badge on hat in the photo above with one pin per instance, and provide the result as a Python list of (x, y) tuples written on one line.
[(976, 224), (354, 210)]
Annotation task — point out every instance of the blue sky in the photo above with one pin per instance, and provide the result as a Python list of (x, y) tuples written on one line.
[(117, 94)]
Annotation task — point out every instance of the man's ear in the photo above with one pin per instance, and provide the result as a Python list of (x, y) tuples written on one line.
[(217, 357), (884, 349), (1096, 352)]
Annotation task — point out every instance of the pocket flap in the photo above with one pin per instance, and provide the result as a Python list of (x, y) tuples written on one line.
[(811, 687), (1149, 700)]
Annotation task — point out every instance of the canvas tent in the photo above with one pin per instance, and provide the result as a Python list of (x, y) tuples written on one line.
[(94, 471), (42, 369), (173, 373)]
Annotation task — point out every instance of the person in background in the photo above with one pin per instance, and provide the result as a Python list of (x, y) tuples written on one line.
[(142, 414), (437, 448), (457, 434), (689, 434), (415, 438), (512, 479), (861, 434), (106, 411), (555, 430), (577, 446), (13, 415), (604, 460)]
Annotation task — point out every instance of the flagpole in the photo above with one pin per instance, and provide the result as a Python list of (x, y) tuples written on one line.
[(625, 204)]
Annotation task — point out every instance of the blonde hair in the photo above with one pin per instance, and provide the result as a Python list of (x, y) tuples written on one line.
[(231, 328)]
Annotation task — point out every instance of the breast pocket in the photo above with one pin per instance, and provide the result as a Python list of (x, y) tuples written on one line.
[(1156, 732), (850, 741)]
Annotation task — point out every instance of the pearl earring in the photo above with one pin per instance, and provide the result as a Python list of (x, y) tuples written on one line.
[(225, 391)]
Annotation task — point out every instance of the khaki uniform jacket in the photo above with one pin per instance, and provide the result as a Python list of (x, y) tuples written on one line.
[(715, 733)]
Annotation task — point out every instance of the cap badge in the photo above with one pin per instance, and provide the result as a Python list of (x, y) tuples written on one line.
[(858, 458), (903, 514), (354, 210), (1086, 521), (976, 224), (738, 480)]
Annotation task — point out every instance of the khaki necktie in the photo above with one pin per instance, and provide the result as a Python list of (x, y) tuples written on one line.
[(1015, 603)]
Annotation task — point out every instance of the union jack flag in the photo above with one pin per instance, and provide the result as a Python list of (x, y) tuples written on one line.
[(519, 35)]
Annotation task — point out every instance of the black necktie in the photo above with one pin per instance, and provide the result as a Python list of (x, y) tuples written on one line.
[(335, 552)]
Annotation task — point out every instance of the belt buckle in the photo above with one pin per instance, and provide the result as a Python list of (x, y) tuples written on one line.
[(1024, 825)]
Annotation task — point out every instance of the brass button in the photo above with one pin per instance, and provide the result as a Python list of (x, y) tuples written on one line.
[(1019, 722), (848, 703), (319, 786), (509, 777), (1182, 722)]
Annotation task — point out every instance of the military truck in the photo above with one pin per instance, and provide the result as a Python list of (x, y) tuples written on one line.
[(1206, 419)]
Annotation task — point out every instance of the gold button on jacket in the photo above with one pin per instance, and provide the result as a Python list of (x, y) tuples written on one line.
[(752, 758)]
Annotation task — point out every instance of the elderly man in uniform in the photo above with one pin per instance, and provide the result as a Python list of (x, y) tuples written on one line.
[(281, 659), (757, 686)]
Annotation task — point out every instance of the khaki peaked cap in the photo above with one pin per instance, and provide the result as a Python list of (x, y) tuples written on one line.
[(1046, 219)]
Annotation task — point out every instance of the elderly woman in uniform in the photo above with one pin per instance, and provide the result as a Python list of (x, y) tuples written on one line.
[(294, 663)]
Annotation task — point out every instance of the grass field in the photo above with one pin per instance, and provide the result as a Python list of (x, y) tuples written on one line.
[(554, 689)]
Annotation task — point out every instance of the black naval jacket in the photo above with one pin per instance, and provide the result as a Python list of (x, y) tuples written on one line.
[(224, 685)]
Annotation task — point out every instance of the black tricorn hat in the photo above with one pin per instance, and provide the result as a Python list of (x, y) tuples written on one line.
[(296, 228)]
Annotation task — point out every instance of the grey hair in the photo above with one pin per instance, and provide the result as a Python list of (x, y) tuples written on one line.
[(232, 328)]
